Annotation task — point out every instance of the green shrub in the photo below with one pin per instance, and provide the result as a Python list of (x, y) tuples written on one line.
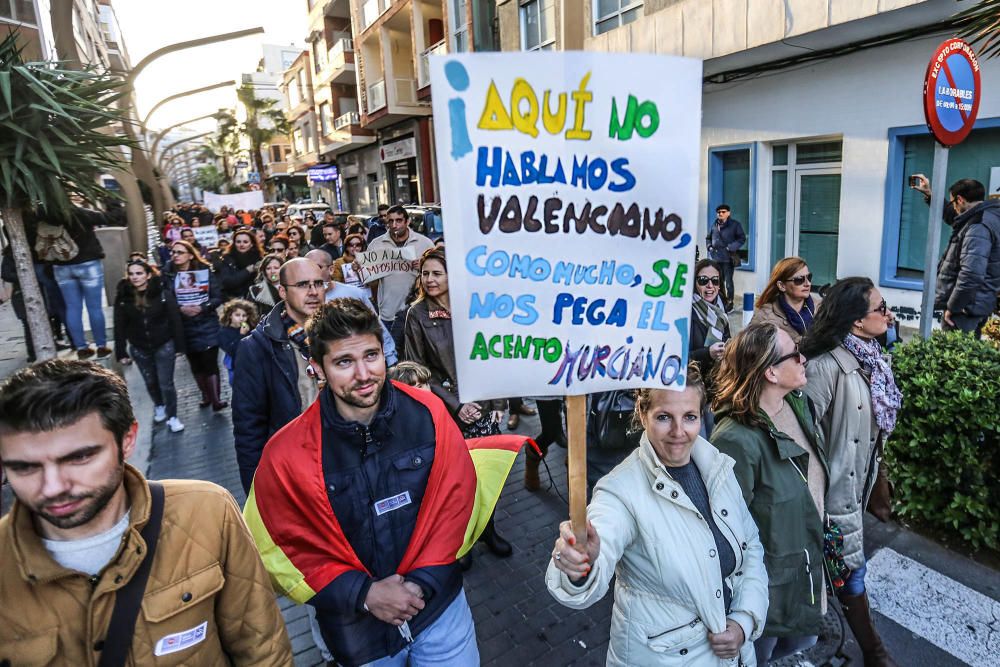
[(944, 456)]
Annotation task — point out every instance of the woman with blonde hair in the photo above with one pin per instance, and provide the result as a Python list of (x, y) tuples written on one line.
[(767, 425), (671, 524), (787, 302)]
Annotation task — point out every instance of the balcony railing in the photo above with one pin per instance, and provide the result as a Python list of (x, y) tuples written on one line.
[(424, 72), (337, 51), (376, 96), (406, 91), (346, 120)]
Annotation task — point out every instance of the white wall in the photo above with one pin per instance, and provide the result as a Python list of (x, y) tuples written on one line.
[(858, 97)]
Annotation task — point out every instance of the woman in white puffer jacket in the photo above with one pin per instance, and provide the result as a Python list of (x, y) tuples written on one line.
[(671, 522)]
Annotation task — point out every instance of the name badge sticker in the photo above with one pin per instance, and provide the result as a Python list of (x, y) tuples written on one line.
[(392, 503), (181, 640)]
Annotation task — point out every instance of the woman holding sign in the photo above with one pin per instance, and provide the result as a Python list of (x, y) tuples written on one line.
[(429, 342), (197, 294), (671, 522)]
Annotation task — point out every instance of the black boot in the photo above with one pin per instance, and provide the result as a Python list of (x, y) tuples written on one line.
[(206, 397), (859, 617), (491, 538), (215, 392)]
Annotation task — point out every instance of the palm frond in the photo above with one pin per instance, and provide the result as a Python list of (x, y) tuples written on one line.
[(980, 26)]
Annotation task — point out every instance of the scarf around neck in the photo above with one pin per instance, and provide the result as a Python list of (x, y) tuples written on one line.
[(800, 320), (713, 316), (296, 334), (886, 397)]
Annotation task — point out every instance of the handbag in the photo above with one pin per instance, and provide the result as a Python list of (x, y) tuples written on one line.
[(880, 498), (121, 629), (833, 554), (54, 244)]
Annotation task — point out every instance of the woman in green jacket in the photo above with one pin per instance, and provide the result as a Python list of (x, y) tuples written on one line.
[(765, 423)]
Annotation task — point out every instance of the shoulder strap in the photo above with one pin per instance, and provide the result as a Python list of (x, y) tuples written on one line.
[(118, 641)]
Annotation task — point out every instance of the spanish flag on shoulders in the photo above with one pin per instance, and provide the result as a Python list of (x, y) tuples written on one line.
[(300, 540)]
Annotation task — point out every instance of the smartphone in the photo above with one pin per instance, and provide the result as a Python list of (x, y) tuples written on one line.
[(914, 181)]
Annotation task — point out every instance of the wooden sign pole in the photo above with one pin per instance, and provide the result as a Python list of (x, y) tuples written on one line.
[(576, 422)]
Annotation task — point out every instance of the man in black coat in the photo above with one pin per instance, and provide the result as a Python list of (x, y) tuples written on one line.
[(725, 238)]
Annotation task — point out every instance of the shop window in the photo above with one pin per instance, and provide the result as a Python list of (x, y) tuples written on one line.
[(732, 180), (907, 216)]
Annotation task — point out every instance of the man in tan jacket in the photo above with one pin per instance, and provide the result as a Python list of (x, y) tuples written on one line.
[(73, 540)]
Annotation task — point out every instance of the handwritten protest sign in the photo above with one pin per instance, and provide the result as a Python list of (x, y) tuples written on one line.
[(376, 264), (569, 183), (207, 237)]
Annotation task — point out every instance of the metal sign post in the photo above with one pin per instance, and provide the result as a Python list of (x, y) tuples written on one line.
[(938, 193), (951, 96)]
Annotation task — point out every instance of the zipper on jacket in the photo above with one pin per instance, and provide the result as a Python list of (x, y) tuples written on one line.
[(812, 587), (368, 441), (693, 623)]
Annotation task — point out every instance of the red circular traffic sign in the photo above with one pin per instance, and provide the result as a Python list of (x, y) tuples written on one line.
[(952, 92)]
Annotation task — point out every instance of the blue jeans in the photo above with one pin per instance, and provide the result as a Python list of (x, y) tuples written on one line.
[(79, 284), (449, 641), (855, 584), (157, 370)]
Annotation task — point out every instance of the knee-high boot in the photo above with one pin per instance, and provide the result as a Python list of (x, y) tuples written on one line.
[(531, 462), (215, 392), (206, 396), (859, 617)]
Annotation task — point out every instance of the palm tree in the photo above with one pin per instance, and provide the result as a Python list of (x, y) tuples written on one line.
[(54, 144), (210, 179), (224, 145), (980, 25), (265, 121)]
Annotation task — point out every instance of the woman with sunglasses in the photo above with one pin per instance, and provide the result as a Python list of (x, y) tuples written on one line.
[(147, 319), (197, 292), (857, 400), (709, 322), (279, 246), (766, 424), (353, 245), (787, 301)]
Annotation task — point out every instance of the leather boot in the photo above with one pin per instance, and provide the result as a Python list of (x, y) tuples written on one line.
[(206, 398), (859, 617), (531, 461), (491, 538), (215, 390)]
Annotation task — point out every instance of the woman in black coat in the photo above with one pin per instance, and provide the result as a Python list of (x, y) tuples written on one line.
[(237, 267), (198, 294), (147, 319)]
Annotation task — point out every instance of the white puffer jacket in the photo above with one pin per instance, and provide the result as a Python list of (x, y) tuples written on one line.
[(668, 594)]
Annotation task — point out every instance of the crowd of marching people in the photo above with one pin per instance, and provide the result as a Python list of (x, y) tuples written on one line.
[(728, 513)]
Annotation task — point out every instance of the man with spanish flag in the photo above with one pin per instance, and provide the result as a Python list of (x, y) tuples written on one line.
[(362, 505)]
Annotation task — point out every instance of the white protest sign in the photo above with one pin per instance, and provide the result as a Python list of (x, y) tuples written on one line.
[(376, 264), (570, 184), (207, 237), (240, 200)]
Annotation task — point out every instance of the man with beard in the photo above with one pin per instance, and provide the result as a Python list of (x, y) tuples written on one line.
[(89, 539), (392, 290), (336, 499), (273, 381)]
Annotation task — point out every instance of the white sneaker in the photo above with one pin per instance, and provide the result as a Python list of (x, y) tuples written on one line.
[(160, 414), (175, 425)]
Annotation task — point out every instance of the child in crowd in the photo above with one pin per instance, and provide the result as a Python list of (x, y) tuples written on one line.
[(238, 319), (411, 373)]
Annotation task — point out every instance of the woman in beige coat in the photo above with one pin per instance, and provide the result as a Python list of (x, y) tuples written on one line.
[(787, 302), (671, 523), (856, 400)]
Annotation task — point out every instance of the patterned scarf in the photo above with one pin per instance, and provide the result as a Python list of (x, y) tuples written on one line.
[(713, 316), (296, 334), (886, 397), (800, 320)]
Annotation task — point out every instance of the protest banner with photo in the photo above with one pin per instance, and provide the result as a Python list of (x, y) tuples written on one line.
[(569, 186), (376, 264), (192, 287), (207, 237)]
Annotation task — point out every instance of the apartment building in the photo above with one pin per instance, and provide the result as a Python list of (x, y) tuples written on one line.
[(811, 121), (297, 88)]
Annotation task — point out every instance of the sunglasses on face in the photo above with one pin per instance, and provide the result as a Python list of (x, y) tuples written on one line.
[(882, 308), (704, 280), (800, 280), (354, 245), (278, 248), (795, 354)]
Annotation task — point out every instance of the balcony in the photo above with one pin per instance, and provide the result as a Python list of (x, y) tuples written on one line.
[(371, 10), (424, 70), (346, 120), (376, 96), (337, 63)]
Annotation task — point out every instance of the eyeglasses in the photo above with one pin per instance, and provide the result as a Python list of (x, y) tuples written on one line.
[(882, 308), (704, 280), (178, 252), (795, 354), (799, 280), (278, 248), (308, 285), (355, 245)]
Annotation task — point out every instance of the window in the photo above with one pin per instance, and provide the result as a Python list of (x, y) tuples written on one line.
[(325, 119), (538, 25), (22, 11), (911, 151), (731, 180), (609, 14), (294, 98), (297, 142), (276, 154), (460, 28)]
